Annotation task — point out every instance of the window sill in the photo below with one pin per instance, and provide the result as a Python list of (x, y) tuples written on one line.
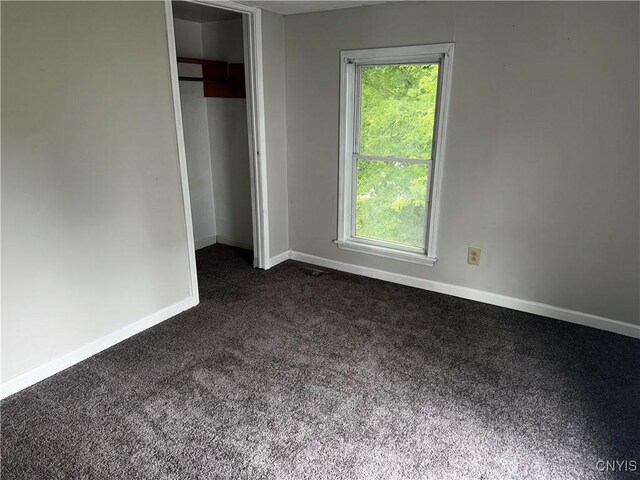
[(419, 258)]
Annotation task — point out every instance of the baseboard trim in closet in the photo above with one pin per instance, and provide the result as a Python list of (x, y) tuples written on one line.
[(205, 242), (233, 243)]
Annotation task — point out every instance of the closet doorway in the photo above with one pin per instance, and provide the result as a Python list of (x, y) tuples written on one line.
[(217, 86)]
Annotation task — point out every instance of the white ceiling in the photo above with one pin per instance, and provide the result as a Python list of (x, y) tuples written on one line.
[(292, 7)]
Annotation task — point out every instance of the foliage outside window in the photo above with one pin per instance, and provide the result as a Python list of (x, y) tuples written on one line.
[(397, 116)]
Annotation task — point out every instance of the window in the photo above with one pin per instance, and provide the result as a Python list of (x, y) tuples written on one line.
[(393, 114)]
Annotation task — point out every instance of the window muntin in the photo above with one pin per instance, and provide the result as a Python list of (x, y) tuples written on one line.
[(393, 112)]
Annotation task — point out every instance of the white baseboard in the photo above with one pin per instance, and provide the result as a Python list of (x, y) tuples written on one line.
[(281, 257), (37, 374), (519, 304), (205, 242), (233, 243)]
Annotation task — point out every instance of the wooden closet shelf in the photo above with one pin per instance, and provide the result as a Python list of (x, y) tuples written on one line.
[(219, 79), (200, 61)]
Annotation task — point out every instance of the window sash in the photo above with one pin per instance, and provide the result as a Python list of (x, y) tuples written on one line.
[(357, 97), (355, 156), (350, 81), (354, 197)]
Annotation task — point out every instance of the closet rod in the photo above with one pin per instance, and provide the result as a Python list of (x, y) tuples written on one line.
[(200, 79)]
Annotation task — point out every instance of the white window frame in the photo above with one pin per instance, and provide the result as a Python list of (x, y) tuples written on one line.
[(350, 60)]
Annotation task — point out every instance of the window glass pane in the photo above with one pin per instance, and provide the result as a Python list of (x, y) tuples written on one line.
[(390, 201), (397, 110)]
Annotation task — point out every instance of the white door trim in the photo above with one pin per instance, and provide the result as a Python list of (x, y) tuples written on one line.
[(252, 23), (182, 156)]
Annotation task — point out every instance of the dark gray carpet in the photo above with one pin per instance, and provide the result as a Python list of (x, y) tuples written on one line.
[(286, 374)]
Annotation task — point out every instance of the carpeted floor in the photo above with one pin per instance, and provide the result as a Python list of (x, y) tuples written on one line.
[(288, 374)]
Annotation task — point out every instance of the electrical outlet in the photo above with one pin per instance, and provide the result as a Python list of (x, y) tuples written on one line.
[(473, 258)]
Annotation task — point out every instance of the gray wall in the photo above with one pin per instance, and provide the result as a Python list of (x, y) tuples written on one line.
[(276, 131), (93, 230), (542, 169), (542, 159)]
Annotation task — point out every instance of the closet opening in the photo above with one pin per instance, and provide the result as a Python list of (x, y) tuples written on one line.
[(217, 86)]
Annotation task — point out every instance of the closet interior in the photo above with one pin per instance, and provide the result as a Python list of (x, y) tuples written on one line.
[(211, 70)]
